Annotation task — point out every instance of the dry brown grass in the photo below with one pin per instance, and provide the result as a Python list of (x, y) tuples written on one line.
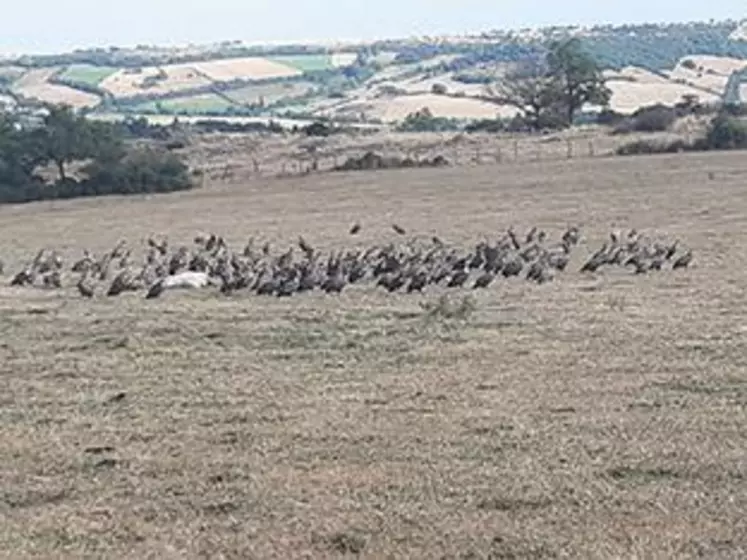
[(125, 83), (34, 84), (594, 417), (249, 156)]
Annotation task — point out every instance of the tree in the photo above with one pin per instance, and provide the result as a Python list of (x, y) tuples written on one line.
[(67, 138), (549, 91), (20, 154), (577, 75), (531, 90), (112, 166)]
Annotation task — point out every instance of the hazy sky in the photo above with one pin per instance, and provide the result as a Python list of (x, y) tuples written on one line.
[(53, 25)]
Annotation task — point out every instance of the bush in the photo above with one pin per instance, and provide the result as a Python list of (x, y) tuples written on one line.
[(371, 160), (439, 89), (648, 147), (320, 129), (486, 125), (223, 126), (65, 138), (725, 133), (424, 121), (140, 171), (655, 118), (480, 79), (608, 117)]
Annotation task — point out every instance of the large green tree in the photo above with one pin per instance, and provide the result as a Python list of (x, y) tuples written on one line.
[(67, 138), (20, 154), (577, 76), (530, 89), (555, 88)]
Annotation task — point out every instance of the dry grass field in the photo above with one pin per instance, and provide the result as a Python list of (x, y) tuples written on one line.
[(397, 108), (598, 416), (34, 84)]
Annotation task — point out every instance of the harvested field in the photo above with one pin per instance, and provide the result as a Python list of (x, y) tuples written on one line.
[(633, 88), (252, 68), (597, 416), (628, 97), (397, 108), (722, 65), (154, 80), (34, 84)]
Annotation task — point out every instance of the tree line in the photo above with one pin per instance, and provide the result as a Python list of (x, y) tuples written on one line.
[(67, 156)]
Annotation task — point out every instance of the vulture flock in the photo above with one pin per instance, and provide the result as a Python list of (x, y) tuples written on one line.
[(407, 265)]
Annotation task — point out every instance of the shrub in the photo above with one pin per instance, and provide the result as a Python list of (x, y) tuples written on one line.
[(439, 89), (371, 160), (609, 117), (481, 79), (319, 129), (647, 147), (486, 125), (424, 121), (725, 133), (655, 118), (139, 171)]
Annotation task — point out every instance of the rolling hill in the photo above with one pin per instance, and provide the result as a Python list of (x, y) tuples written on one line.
[(384, 81)]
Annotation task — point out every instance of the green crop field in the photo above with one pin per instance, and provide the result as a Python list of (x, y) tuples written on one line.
[(87, 74), (306, 63), (197, 104), (270, 92)]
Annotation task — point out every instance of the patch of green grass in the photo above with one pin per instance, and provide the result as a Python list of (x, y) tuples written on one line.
[(87, 74), (270, 93), (306, 63), (198, 104)]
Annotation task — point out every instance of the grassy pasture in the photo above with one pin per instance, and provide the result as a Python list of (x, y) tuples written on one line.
[(306, 63), (87, 74), (270, 92), (197, 104), (594, 417)]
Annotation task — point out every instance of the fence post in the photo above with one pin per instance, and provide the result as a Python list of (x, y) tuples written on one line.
[(570, 148), (591, 148), (516, 150)]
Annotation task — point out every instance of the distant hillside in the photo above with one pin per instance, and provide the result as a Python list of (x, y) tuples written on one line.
[(378, 81)]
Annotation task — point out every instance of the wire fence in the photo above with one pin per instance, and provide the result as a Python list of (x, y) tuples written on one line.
[(459, 151)]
